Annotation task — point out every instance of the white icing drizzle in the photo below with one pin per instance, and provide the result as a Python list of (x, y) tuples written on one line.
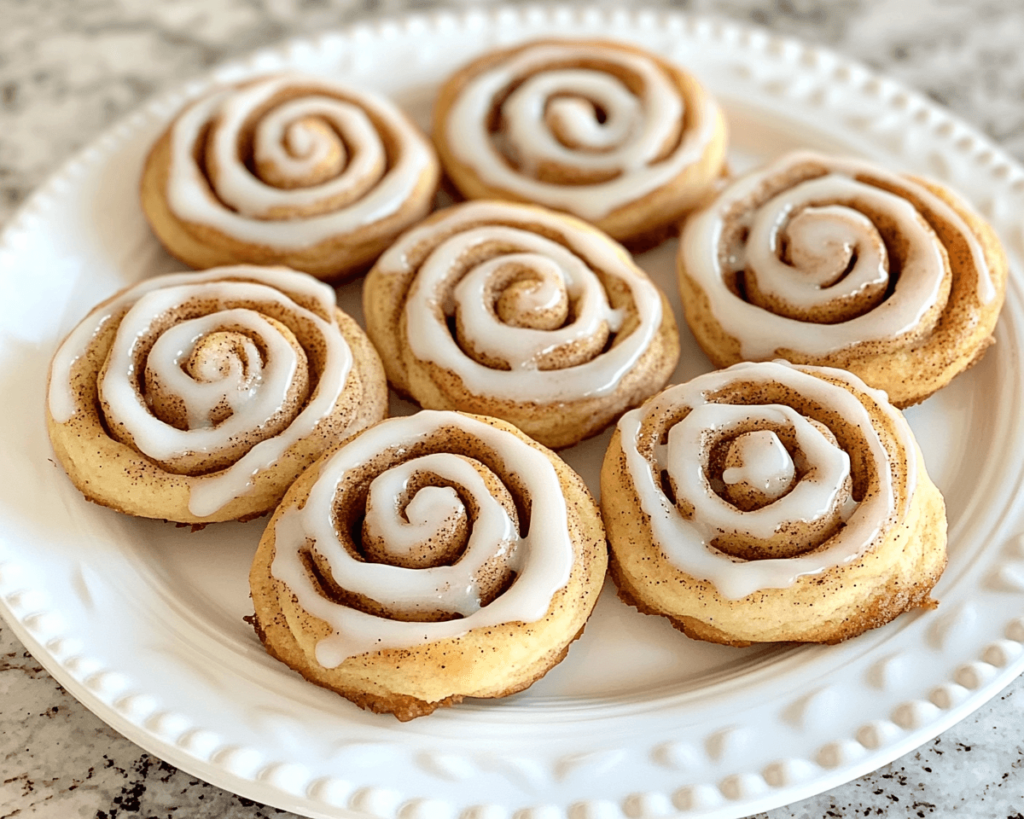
[(435, 294), (253, 400), (543, 559), (765, 464), (426, 513), (238, 188), (810, 499), (825, 235), (823, 241), (519, 347), (238, 204), (454, 587), (248, 378), (253, 403), (686, 541), (628, 142)]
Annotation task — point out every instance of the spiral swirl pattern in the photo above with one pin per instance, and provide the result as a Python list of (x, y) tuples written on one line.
[(509, 310), (838, 262), (766, 480), (601, 130), (215, 382), (429, 536), (288, 170)]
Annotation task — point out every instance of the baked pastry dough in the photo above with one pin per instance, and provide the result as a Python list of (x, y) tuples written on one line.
[(606, 131), (821, 260), (519, 313), (771, 502), (288, 170), (200, 397), (433, 557)]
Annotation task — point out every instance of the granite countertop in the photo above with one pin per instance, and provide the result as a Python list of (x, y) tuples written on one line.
[(69, 68)]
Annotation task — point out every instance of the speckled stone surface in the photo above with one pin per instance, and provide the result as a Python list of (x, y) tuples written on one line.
[(69, 68)]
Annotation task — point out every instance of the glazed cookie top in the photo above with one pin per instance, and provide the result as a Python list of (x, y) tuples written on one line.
[(424, 485), (214, 374), (763, 450), (817, 254), (544, 308), (586, 127), (289, 161)]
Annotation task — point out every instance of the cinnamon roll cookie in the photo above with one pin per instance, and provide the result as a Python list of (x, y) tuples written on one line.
[(200, 397), (288, 170), (605, 131), (433, 557), (520, 313), (771, 502), (838, 262)]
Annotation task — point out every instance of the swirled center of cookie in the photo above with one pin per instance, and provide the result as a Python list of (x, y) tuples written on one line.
[(824, 264), (221, 373), (759, 481), (535, 299), (308, 152), (287, 162), (583, 126), (582, 129), (441, 530), (758, 469), (520, 302), (216, 384), (310, 156), (431, 528)]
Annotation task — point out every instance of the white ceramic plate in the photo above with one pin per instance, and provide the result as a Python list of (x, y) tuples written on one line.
[(142, 621)]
